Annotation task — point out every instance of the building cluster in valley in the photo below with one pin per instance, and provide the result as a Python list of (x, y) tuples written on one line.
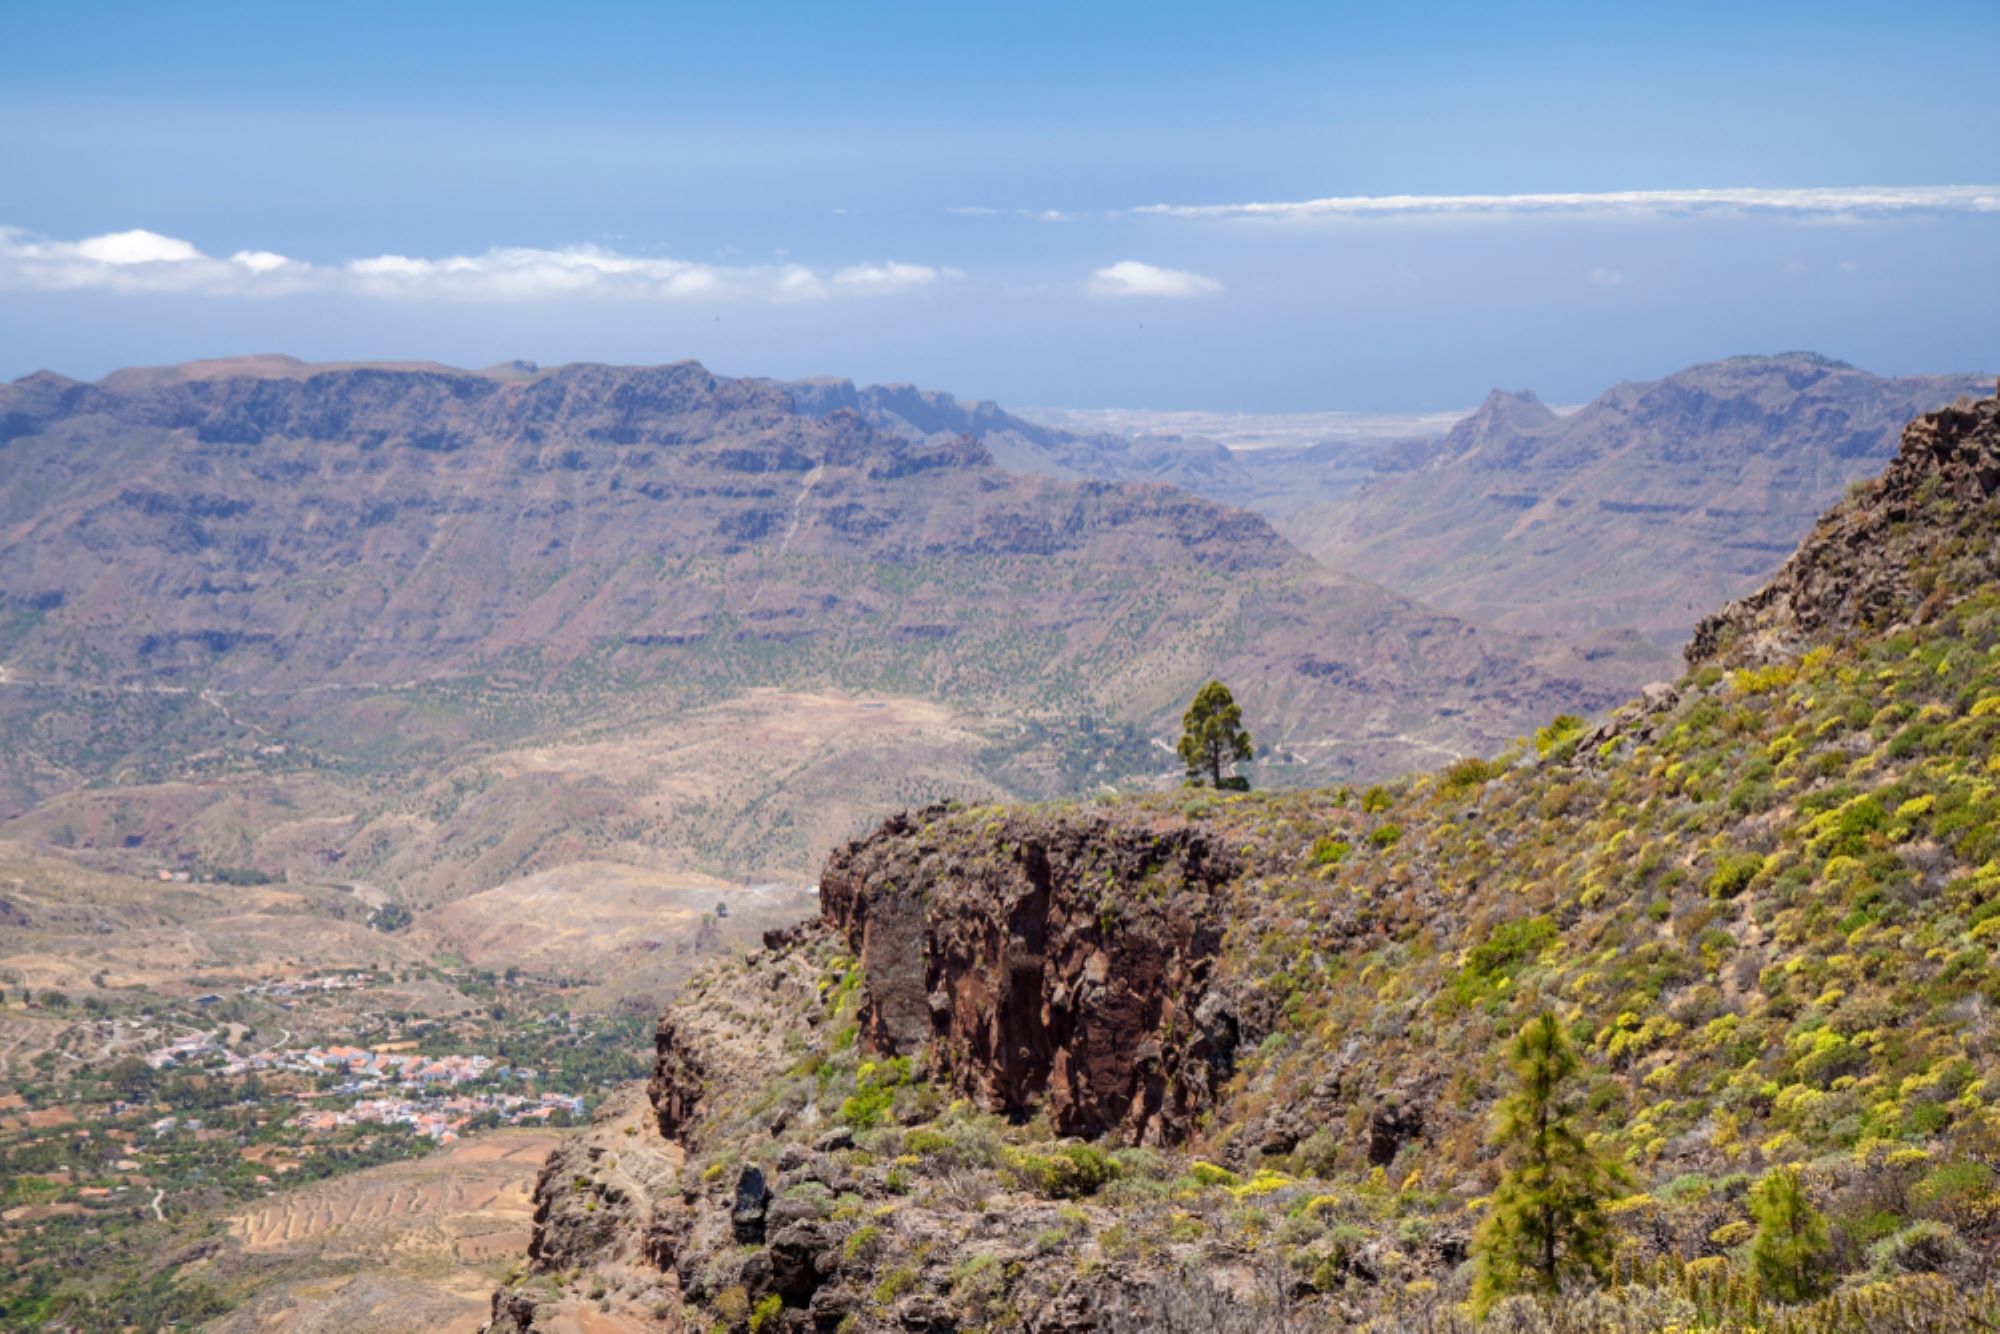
[(365, 1070), (443, 1119)]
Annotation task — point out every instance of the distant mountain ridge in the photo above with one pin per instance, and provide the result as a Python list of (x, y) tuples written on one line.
[(1504, 419), (267, 532), (1643, 508)]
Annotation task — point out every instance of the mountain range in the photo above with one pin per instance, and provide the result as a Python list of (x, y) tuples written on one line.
[(344, 574), (1640, 510)]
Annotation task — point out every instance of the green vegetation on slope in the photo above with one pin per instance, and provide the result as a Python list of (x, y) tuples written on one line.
[(1821, 1020)]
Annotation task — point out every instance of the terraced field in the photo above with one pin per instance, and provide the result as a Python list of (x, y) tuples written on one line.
[(407, 1245)]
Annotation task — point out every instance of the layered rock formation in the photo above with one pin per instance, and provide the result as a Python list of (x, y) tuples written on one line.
[(298, 538)]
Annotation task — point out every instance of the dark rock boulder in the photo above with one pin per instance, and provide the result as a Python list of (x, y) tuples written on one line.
[(753, 1200)]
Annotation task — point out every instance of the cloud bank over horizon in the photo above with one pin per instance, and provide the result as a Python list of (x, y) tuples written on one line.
[(140, 262), (1857, 203)]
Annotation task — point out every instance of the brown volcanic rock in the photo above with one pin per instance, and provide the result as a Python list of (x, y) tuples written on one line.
[(1054, 962), (1875, 560), (676, 1086)]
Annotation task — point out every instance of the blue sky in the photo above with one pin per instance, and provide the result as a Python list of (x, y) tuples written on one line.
[(1043, 204)]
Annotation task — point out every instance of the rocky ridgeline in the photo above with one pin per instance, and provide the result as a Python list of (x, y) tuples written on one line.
[(1859, 569)]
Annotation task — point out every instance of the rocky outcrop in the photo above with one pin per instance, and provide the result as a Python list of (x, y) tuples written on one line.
[(613, 1201), (1887, 554), (676, 1086), (1044, 962)]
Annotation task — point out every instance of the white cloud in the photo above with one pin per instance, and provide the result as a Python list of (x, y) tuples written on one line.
[(259, 261), (135, 247), (1607, 278), (142, 261), (1856, 203), (138, 261), (1131, 278), (889, 277), (520, 273)]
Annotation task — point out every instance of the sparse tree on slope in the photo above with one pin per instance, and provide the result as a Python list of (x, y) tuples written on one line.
[(1547, 1223), (1212, 736), (1792, 1240)]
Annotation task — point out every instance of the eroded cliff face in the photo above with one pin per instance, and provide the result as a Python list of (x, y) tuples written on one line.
[(1051, 963)]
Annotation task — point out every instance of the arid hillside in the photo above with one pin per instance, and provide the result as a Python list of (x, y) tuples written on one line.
[(388, 603)]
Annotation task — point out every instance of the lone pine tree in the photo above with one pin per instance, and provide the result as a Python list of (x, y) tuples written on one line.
[(1792, 1242), (1212, 737), (1547, 1223)]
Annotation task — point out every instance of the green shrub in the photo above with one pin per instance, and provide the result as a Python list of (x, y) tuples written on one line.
[(1928, 1247), (1506, 948), (875, 1094), (1064, 1172), (1846, 834), (1510, 944), (1563, 727), (1469, 772), (1951, 1186), (926, 1143), (1208, 1174), (894, 1284), (1330, 851), (1733, 873)]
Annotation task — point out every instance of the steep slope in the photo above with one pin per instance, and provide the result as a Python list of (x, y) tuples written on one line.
[(386, 569), (1228, 1062), (1645, 508)]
